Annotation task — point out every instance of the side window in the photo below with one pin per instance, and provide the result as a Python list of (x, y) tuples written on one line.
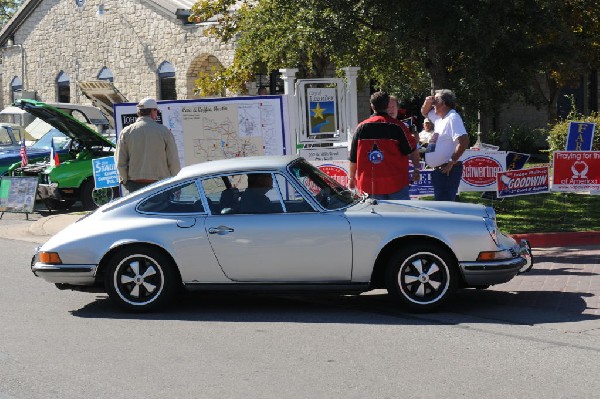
[(180, 199), (5, 137), (252, 193), (292, 199)]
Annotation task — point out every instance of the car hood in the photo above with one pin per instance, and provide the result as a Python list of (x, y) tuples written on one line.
[(417, 206), (66, 124), (103, 95)]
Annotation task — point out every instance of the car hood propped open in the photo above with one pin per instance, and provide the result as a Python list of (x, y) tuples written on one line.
[(66, 124)]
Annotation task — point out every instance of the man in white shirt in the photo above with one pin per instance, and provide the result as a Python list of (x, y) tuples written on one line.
[(446, 145)]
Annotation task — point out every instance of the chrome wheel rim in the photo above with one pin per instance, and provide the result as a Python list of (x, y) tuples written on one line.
[(102, 196), (424, 278), (138, 280)]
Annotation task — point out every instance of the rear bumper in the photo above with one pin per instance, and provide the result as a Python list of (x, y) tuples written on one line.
[(66, 274)]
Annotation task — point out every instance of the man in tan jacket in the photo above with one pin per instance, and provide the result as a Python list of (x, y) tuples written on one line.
[(146, 150)]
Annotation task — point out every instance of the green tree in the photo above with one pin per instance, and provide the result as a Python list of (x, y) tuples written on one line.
[(486, 50), (7, 9)]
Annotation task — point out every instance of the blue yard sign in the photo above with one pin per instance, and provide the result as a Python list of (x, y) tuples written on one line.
[(580, 136), (105, 172)]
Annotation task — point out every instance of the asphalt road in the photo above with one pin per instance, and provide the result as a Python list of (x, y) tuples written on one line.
[(490, 343)]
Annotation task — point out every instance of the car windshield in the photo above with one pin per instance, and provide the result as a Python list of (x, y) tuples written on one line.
[(325, 189), (60, 140)]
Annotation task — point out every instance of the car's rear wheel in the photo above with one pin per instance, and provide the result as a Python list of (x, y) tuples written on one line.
[(421, 277), (141, 278), (92, 198)]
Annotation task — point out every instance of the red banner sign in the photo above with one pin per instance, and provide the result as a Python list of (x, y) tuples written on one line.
[(576, 171)]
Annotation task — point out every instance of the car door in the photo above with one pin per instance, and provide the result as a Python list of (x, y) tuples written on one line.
[(290, 243)]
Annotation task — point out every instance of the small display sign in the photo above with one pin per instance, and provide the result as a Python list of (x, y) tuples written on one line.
[(105, 172)]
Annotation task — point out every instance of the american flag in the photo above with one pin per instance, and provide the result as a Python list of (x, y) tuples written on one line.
[(23, 153)]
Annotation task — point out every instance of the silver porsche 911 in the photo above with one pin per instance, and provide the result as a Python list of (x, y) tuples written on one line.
[(276, 224)]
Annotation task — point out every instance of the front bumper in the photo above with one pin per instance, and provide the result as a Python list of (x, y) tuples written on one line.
[(49, 191), (500, 271)]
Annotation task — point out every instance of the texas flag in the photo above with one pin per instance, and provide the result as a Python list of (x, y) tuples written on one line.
[(23, 153), (54, 159)]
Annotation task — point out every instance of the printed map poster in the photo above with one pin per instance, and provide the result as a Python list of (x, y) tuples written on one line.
[(580, 136), (523, 181), (220, 128), (576, 171), (322, 111), (480, 169)]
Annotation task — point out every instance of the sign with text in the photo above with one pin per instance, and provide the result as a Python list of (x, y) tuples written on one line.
[(423, 186), (580, 136), (105, 172), (324, 153), (337, 169), (576, 171), (322, 110), (523, 181), (17, 194), (515, 160), (480, 169)]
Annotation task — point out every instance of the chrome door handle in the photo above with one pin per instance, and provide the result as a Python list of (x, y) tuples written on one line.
[(221, 230)]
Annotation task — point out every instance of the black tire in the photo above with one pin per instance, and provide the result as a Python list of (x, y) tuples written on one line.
[(141, 279), (92, 198), (54, 204), (421, 277)]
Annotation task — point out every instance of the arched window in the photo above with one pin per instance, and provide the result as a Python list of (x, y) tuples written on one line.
[(105, 74), (166, 81), (16, 87), (63, 88)]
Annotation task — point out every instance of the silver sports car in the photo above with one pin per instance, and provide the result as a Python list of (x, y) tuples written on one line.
[(276, 224)]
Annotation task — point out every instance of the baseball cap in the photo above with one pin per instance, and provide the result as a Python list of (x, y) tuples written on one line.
[(426, 120), (147, 103)]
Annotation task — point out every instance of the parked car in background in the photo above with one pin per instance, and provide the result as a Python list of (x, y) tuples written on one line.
[(10, 156), (73, 179), (92, 116), (8, 140), (208, 228)]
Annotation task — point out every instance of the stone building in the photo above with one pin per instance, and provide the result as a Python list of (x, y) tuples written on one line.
[(145, 47)]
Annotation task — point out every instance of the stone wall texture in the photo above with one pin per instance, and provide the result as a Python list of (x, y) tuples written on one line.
[(132, 40)]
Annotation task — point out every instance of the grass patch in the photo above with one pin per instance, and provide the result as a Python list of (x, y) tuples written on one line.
[(542, 213)]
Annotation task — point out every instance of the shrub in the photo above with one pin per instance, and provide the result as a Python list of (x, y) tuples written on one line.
[(518, 139)]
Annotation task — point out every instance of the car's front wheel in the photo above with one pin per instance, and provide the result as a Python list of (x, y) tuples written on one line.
[(421, 277), (141, 278)]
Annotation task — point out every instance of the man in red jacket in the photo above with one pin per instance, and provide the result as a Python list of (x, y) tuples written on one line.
[(379, 154)]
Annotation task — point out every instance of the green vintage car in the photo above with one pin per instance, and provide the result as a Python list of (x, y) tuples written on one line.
[(73, 179)]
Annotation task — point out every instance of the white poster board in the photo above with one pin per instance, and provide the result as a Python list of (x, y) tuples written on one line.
[(220, 128)]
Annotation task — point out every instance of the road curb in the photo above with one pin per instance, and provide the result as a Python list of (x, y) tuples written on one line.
[(566, 239)]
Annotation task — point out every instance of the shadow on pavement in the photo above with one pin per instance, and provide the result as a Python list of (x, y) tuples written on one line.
[(528, 308)]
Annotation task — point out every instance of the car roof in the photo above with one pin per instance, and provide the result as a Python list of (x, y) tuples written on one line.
[(237, 164)]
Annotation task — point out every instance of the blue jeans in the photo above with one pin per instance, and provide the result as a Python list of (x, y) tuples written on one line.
[(403, 194), (446, 187)]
